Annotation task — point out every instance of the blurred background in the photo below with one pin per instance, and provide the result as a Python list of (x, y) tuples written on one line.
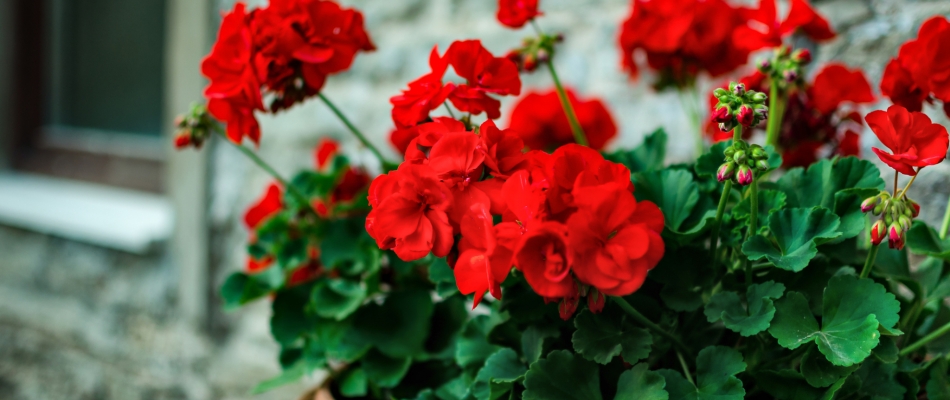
[(112, 245)]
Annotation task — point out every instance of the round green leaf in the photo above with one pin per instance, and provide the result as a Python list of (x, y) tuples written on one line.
[(938, 386), (337, 298), (716, 369), (797, 233), (770, 202), (750, 319), (563, 376), (674, 191), (649, 155), (924, 240), (383, 370), (399, 327), (600, 337), (503, 366), (786, 385), (354, 383), (819, 372), (638, 383)]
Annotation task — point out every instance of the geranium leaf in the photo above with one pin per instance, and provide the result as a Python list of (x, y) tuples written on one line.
[(938, 386), (564, 376), (600, 337), (878, 381), (241, 288), (674, 191), (532, 341), (886, 351), (924, 240), (750, 319), (441, 274), (385, 371), (354, 383), (716, 369), (502, 366), (649, 155), (852, 311), (786, 385), (709, 162), (797, 233), (398, 327), (638, 383), (288, 320), (819, 372), (473, 347), (337, 298), (448, 318), (770, 202)]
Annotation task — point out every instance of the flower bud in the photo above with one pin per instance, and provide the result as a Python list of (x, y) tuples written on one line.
[(790, 76), (529, 63), (914, 207), (759, 153), (878, 232), (765, 66), (759, 97), (895, 236), (740, 156), (763, 165), (878, 209), (802, 56), (739, 89), (543, 56), (905, 222), (568, 306), (727, 126), (870, 203), (721, 114), (183, 140), (595, 301), (559, 37), (726, 171), (746, 115), (720, 93), (729, 152), (744, 177)]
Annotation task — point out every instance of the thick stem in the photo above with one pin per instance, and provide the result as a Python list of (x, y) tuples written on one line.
[(753, 223), (727, 187), (776, 113), (576, 128), (926, 339), (649, 324), (356, 132), (869, 262), (265, 166)]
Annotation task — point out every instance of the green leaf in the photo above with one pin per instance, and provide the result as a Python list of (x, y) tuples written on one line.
[(786, 385), (711, 160), (852, 311), (797, 233), (441, 274), (473, 347), (290, 375), (241, 288), (649, 155), (924, 240), (638, 383), (383, 370), (354, 383), (600, 337), (337, 298), (503, 366), (563, 376), (748, 320), (447, 320), (674, 191), (288, 320), (886, 351), (938, 386), (770, 202), (532, 341), (716, 369), (684, 279), (878, 381), (399, 327), (820, 373)]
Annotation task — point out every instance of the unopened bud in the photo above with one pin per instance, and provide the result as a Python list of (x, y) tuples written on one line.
[(759, 97), (568, 306), (763, 165), (729, 152), (740, 156), (878, 232), (803, 56), (726, 171), (183, 140), (744, 177), (905, 222), (746, 116), (595, 301), (721, 114), (758, 152), (765, 66), (878, 209), (720, 92), (739, 89), (543, 56), (529, 63), (895, 236), (727, 126), (913, 207), (790, 76), (870, 203)]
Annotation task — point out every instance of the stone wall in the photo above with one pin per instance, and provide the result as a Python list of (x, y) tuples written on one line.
[(80, 322)]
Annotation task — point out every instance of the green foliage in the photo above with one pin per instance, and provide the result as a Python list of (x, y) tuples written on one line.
[(638, 383), (797, 233), (750, 319), (649, 155), (678, 196), (562, 375), (600, 337), (716, 370)]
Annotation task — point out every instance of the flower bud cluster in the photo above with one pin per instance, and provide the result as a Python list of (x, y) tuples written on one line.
[(739, 106), (194, 127), (895, 218), (785, 67), (741, 160), (534, 51)]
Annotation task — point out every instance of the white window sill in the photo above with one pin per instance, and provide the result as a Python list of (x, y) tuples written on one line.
[(110, 217)]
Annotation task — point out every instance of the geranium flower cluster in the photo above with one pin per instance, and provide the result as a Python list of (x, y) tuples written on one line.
[(567, 220), (681, 38), (921, 71), (287, 49), (819, 117), (540, 120)]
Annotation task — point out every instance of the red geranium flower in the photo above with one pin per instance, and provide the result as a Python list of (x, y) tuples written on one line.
[(485, 253), (265, 207), (424, 94), (484, 74), (921, 71), (913, 139), (766, 31), (516, 13), (545, 259), (409, 213), (542, 124)]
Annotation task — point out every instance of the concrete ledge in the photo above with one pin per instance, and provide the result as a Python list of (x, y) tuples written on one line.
[(110, 217)]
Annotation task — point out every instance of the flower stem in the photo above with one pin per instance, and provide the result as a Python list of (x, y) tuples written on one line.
[(649, 324), (912, 179), (726, 189), (449, 109), (576, 128), (356, 132), (776, 112), (265, 166), (926, 339), (946, 221), (753, 223), (689, 377), (869, 262)]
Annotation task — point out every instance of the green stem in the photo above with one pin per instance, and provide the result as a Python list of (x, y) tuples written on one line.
[(776, 112), (689, 377), (946, 221), (926, 339), (356, 132), (265, 166), (649, 324), (449, 109), (911, 321), (576, 128), (753, 223), (869, 263), (727, 187)]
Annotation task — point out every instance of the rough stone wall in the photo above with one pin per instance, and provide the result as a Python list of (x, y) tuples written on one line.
[(80, 322)]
